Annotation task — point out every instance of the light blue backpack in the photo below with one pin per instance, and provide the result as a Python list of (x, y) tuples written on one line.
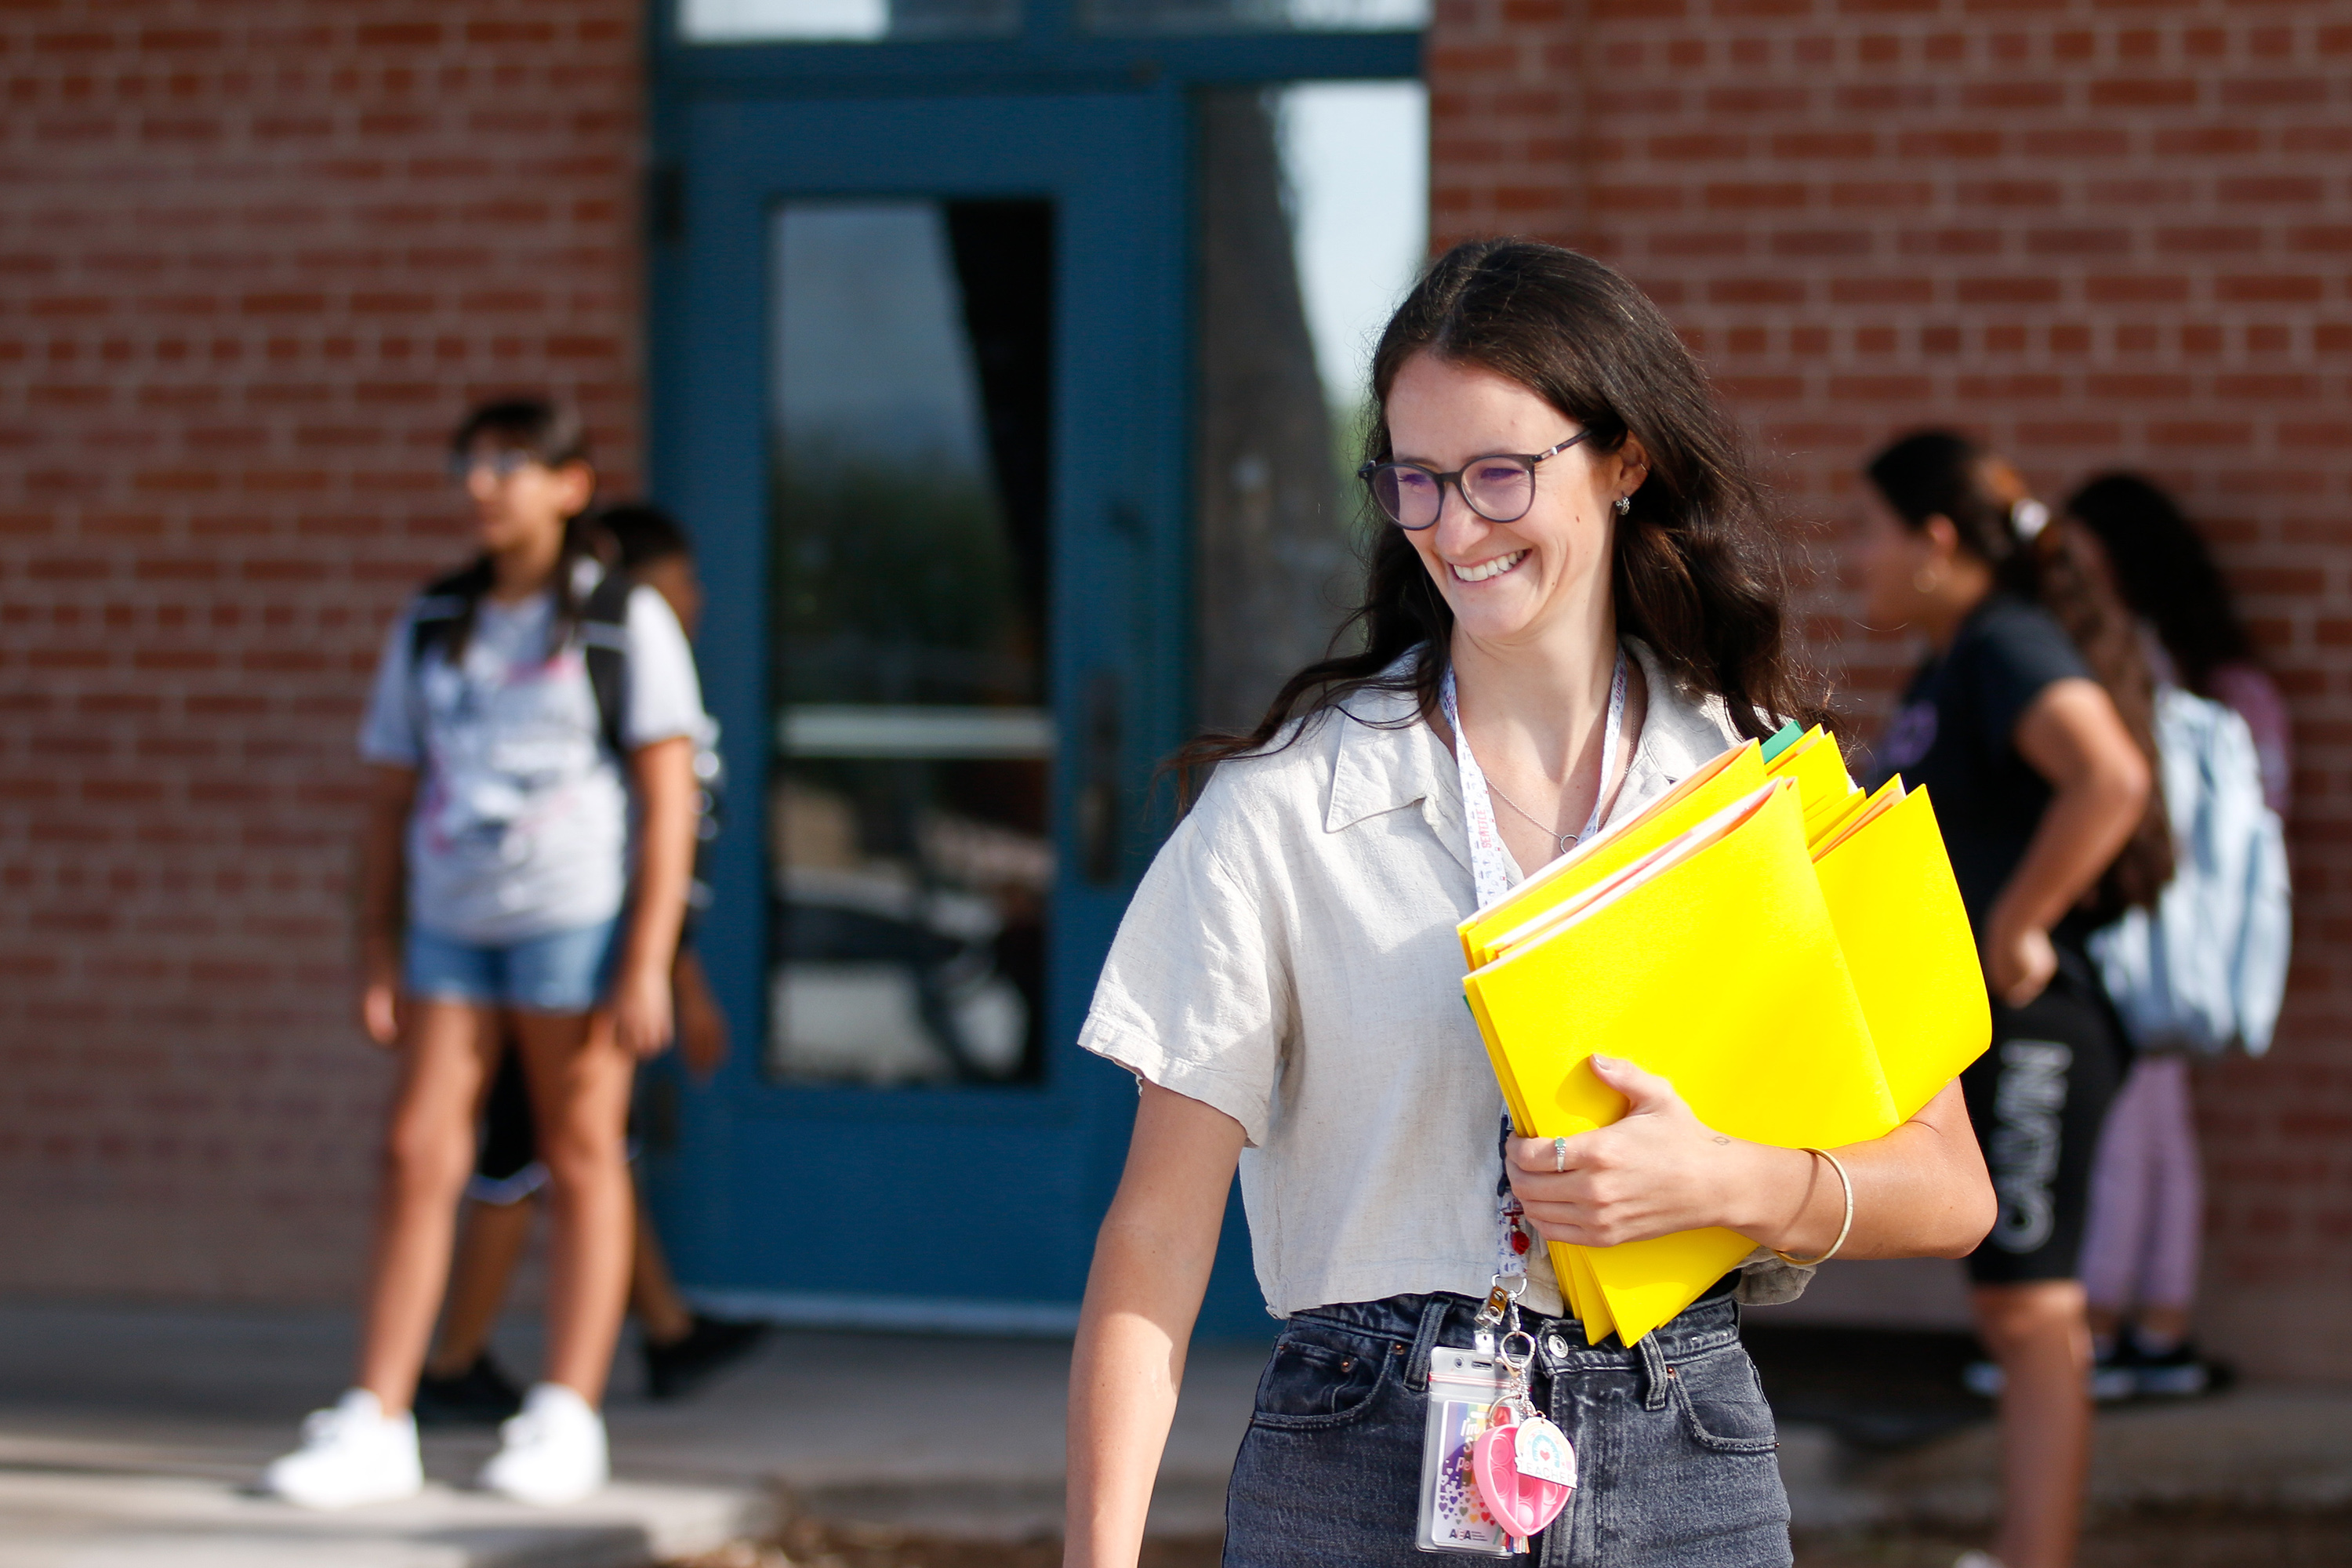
[(2207, 968)]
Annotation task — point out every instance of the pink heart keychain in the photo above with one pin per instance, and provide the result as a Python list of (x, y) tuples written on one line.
[(1521, 1503)]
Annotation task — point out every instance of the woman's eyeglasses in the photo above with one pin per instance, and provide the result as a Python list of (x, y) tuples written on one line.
[(503, 463), (1499, 488)]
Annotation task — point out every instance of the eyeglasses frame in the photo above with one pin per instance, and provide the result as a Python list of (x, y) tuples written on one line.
[(1366, 472), (503, 462)]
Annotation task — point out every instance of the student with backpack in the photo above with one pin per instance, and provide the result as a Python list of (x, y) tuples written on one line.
[(2030, 722), (2205, 971), (681, 1347), (528, 844)]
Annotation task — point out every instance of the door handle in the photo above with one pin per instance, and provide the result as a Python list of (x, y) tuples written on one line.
[(1099, 818)]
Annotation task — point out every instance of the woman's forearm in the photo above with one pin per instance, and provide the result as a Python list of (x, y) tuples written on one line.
[(2081, 831), (377, 911), (1921, 1191), (1125, 1373), (664, 775), (2099, 786), (1151, 1265)]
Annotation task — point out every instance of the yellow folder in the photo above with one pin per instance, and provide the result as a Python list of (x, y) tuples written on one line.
[(1721, 971), (1886, 796), (1731, 775), (1828, 794), (1822, 825), (1890, 894)]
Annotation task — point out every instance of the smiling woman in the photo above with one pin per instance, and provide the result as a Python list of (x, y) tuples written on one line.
[(1579, 589)]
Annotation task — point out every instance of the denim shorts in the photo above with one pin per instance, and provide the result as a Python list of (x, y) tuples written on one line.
[(1675, 1445), (562, 972)]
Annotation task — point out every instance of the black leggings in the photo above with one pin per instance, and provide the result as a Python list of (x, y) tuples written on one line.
[(2038, 1099)]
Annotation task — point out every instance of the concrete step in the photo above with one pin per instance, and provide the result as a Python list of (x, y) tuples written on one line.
[(100, 1519)]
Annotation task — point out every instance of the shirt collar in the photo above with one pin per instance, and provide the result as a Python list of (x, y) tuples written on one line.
[(1386, 756)]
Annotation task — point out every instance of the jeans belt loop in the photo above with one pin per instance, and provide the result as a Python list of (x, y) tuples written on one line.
[(1655, 1372), (1433, 1320)]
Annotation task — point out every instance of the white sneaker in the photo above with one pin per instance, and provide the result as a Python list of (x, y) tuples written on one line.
[(353, 1453), (552, 1453)]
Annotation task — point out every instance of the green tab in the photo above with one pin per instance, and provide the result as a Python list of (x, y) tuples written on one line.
[(1789, 735)]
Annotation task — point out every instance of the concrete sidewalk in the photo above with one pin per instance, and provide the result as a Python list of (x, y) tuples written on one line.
[(129, 1436)]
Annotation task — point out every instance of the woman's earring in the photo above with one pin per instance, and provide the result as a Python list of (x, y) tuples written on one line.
[(1927, 581), (1625, 506)]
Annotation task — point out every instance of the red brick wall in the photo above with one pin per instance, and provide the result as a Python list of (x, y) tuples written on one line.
[(254, 258), (2098, 234)]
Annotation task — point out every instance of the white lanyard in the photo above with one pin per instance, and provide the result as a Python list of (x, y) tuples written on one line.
[(1488, 873), (1487, 864)]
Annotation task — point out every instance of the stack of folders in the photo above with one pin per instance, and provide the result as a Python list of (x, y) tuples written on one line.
[(1789, 950)]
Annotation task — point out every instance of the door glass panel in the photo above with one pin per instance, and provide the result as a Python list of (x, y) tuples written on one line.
[(1254, 15), (1313, 223), (909, 845), (843, 21)]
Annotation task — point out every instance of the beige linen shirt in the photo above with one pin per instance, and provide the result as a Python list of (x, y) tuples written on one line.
[(1290, 959)]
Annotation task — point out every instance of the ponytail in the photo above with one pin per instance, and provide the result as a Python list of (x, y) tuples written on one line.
[(2052, 562)]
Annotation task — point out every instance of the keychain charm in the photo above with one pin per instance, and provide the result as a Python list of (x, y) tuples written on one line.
[(1542, 1451), (1523, 1463), (1502, 1297)]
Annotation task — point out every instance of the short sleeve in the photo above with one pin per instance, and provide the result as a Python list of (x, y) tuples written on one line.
[(1195, 992), (2020, 653), (665, 695), (388, 733)]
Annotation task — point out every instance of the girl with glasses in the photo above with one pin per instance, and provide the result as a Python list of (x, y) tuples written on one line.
[(1578, 589), (523, 869)]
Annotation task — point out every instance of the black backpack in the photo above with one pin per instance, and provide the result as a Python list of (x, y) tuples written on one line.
[(602, 632)]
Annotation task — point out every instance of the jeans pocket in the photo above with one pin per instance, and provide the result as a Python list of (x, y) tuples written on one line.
[(1318, 1380), (1722, 1405)]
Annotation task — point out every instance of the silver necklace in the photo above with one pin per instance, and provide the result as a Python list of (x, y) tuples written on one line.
[(1609, 727), (1567, 840)]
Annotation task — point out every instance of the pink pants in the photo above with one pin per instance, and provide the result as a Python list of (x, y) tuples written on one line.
[(2147, 1196)]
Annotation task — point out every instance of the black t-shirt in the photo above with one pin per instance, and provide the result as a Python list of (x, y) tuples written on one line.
[(1954, 735)]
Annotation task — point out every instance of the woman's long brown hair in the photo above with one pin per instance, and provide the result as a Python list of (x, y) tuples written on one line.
[(1697, 574), (1935, 473)]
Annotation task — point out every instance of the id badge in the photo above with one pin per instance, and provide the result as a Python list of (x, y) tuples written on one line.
[(1463, 1388)]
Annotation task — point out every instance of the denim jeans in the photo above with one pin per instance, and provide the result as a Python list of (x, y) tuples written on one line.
[(1674, 1446)]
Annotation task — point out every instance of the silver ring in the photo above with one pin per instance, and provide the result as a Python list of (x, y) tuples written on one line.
[(1559, 1155)]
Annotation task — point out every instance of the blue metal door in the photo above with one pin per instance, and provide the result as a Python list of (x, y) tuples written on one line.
[(922, 373)]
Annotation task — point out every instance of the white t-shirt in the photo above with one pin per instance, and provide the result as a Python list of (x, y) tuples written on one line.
[(1290, 959), (522, 824)]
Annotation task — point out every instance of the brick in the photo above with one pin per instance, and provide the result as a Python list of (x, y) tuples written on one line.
[(2109, 235), (236, 317)]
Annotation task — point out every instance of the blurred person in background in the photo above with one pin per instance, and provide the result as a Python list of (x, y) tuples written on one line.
[(2030, 724), (524, 862), (2141, 1250), (462, 1382)]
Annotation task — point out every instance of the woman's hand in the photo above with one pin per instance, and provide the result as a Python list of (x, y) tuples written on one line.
[(380, 1000), (1656, 1170), (643, 1021), (1920, 1191), (2019, 959), (701, 1022)]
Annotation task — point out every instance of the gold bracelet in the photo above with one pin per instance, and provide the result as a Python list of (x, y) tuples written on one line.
[(1844, 1181)]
